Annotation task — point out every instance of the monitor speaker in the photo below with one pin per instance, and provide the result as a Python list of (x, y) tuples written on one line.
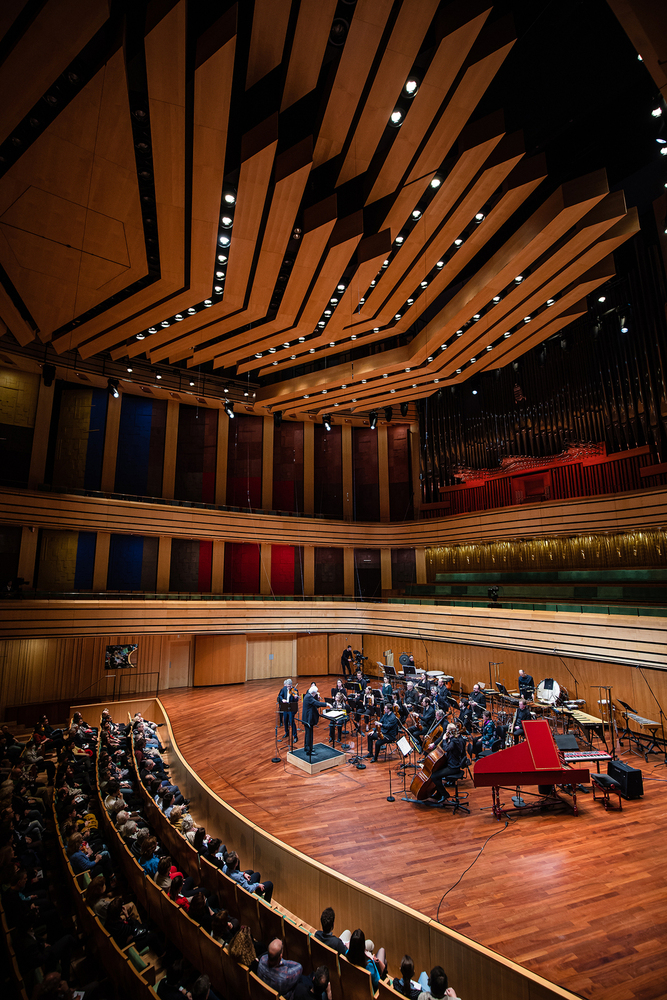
[(630, 778)]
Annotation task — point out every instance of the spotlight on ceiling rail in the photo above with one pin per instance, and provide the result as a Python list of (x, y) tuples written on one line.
[(373, 417), (112, 387), (229, 409)]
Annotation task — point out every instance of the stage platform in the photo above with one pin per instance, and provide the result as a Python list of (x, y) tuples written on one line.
[(322, 758)]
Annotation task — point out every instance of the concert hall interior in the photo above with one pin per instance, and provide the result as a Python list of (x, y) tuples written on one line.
[(222, 443)]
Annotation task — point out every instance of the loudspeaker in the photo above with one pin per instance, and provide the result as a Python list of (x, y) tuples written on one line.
[(630, 778)]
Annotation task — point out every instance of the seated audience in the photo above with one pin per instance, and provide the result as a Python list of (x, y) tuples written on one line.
[(277, 972), (438, 986), (326, 935), (357, 954)]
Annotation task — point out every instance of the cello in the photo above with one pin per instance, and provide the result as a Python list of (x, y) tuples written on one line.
[(422, 786)]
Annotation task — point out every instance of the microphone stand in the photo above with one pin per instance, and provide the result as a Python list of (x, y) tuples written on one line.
[(576, 689), (662, 719), (390, 797)]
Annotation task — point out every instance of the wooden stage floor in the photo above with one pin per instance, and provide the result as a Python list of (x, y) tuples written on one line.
[(580, 900)]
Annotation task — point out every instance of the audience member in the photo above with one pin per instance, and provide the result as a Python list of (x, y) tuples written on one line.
[(326, 935), (277, 972)]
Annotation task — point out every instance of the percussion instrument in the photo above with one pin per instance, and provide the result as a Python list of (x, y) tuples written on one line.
[(548, 691)]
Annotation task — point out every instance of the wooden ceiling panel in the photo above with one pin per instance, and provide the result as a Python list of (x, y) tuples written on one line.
[(368, 23), (407, 35), (269, 27), (310, 41), (50, 43), (449, 57)]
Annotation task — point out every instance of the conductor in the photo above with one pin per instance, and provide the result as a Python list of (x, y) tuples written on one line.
[(310, 715)]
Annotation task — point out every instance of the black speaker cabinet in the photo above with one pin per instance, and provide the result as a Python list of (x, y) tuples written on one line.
[(632, 783)]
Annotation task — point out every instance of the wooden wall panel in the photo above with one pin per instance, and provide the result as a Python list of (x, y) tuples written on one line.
[(219, 659), (312, 655), (272, 656)]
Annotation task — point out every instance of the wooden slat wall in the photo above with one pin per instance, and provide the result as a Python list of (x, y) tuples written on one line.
[(219, 659), (611, 638), (594, 515)]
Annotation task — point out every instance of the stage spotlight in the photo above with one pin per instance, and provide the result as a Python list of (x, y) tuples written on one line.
[(373, 417), (229, 409), (112, 387), (388, 413), (277, 418), (229, 195), (48, 374), (404, 409), (411, 86), (624, 325), (396, 118), (326, 420)]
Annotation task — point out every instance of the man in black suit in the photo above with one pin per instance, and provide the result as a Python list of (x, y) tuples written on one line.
[(346, 661), (388, 733), (310, 715)]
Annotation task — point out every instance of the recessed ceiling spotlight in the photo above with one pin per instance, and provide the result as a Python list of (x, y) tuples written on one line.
[(474, 392), (324, 392), (306, 396), (526, 319), (178, 317), (414, 385), (274, 362), (376, 329), (246, 393), (473, 360), (192, 383), (458, 242), (129, 369), (312, 350), (399, 239), (353, 337), (496, 298), (336, 404), (459, 333), (322, 323), (340, 288), (392, 390), (396, 117), (489, 347), (476, 317), (332, 343), (191, 311), (479, 217), (327, 312), (354, 400), (301, 340), (292, 357), (224, 241), (436, 182), (411, 86), (602, 298), (258, 355), (436, 380), (218, 291), (272, 350), (208, 303), (385, 263), (141, 336), (550, 302), (385, 376), (408, 369), (227, 221), (343, 387), (440, 263), (158, 376), (518, 278), (410, 301), (506, 335), (656, 113), (416, 214), (458, 371), (229, 196), (286, 344), (333, 301), (373, 283), (222, 259), (361, 301), (443, 347), (397, 316), (165, 323)]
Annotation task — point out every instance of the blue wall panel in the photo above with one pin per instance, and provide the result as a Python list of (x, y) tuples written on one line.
[(95, 449), (126, 554), (85, 559)]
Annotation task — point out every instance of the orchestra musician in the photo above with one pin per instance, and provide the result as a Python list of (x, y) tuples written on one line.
[(387, 690), (346, 661), (526, 685), (288, 694), (423, 683), (310, 715), (477, 700), (388, 733), (455, 755), (434, 735), (339, 687), (488, 737), (412, 697), (426, 720), (466, 715), (340, 704), (522, 715)]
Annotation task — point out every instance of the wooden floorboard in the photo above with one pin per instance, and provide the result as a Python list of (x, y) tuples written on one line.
[(580, 900)]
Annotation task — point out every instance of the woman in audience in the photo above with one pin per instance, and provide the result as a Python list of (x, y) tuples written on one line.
[(404, 984), (163, 875), (188, 827), (357, 955), (198, 841), (148, 858), (215, 852), (96, 896), (176, 894), (199, 910), (176, 817)]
